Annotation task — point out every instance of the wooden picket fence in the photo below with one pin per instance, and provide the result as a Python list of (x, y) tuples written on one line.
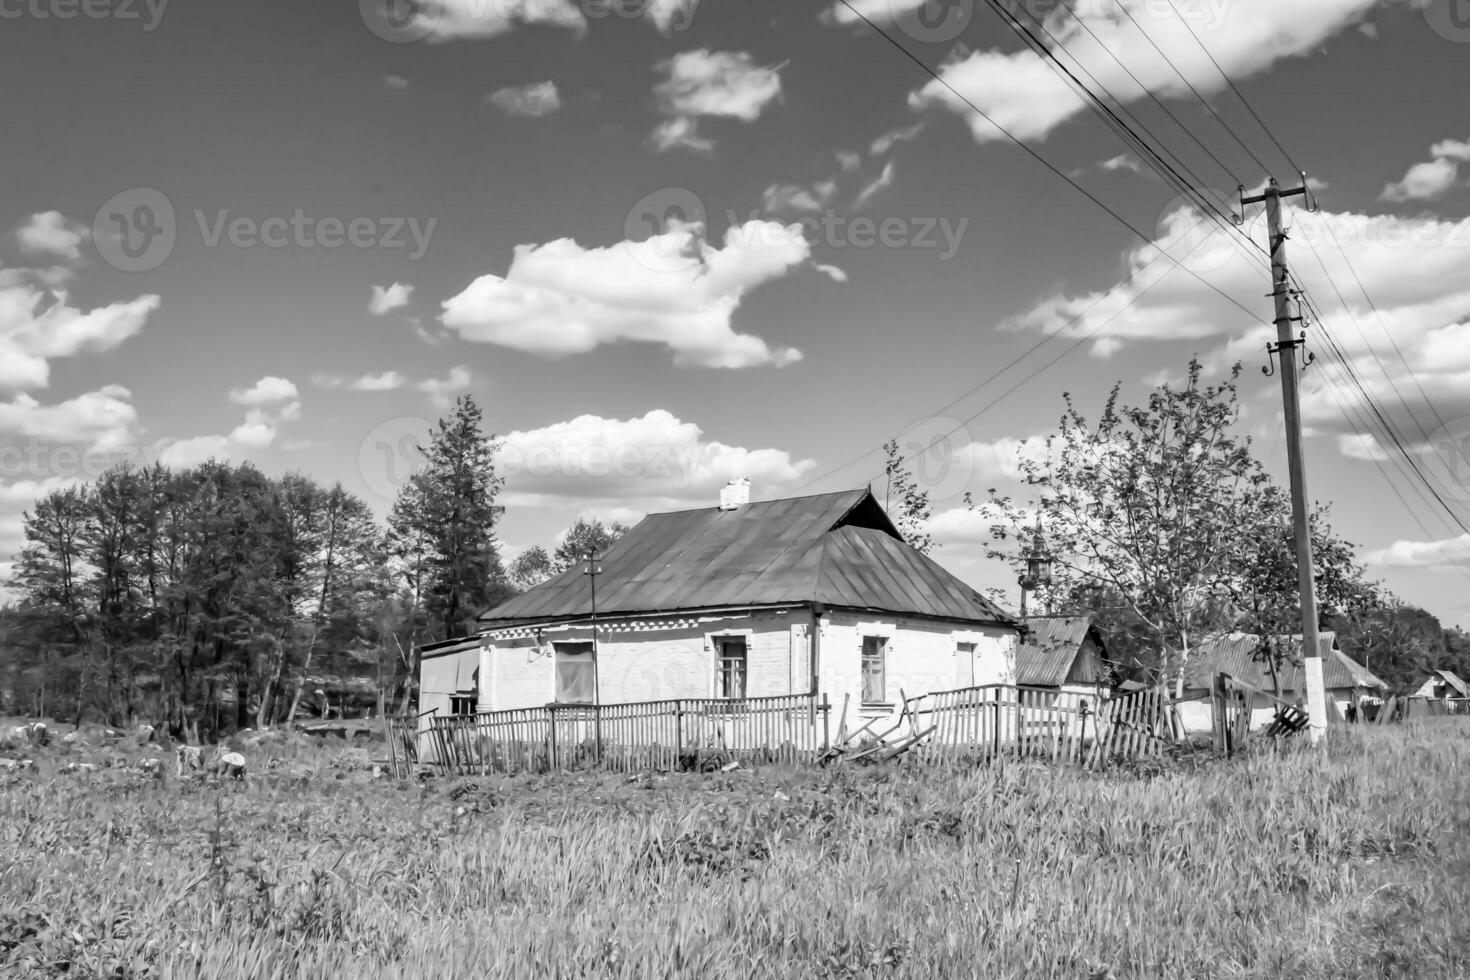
[(1001, 719), (647, 735)]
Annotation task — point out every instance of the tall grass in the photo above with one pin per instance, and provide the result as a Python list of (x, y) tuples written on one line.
[(1353, 861)]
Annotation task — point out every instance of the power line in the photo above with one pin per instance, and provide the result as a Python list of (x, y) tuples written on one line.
[(1238, 94), (1190, 85)]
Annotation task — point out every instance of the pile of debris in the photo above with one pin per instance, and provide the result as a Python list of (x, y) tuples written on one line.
[(869, 746)]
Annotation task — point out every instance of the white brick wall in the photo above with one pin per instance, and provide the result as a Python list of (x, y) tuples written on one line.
[(676, 658), (922, 656)]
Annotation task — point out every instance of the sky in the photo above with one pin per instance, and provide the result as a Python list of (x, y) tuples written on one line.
[(668, 243)]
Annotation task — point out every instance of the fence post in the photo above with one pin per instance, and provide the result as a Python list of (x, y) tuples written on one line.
[(551, 736)]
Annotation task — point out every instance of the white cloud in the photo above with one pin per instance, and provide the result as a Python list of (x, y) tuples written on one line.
[(1423, 554), (444, 20), (1360, 445), (50, 233), (670, 15), (37, 325), (790, 197), (441, 391), (384, 381), (395, 83), (875, 187), (1022, 92), (681, 132), (538, 99), (656, 458), (832, 272), (1000, 459), (961, 526), (724, 84), (386, 300), (886, 141), (1427, 181), (1124, 161), (267, 390), (673, 289), (104, 418)]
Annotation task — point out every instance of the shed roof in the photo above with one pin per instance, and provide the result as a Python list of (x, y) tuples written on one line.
[(1235, 655), (1048, 656), (1453, 680), (835, 548)]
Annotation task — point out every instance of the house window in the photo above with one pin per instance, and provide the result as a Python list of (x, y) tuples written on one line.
[(463, 704), (875, 670), (574, 673), (964, 655), (730, 667)]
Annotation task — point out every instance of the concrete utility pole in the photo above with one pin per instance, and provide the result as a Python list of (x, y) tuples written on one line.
[(592, 571), (1286, 348)]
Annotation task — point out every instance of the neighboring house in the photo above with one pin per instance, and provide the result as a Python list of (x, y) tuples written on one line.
[(1346, 680), (1065, 654), (814, 594), (1442, 685)]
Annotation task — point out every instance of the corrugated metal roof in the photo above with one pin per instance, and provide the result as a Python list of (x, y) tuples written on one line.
[(836, 548), (1452, 679), (1235, 655), (1046, 660)]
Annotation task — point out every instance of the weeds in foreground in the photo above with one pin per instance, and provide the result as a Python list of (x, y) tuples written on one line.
[(1342, 863)]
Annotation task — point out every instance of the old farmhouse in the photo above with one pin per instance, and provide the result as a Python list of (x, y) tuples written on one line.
[(1442, 685), (816, 594)]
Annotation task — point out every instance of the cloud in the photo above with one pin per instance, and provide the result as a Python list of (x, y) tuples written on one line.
[(385, 381), (656, 458), (1023, 94), (1360, 446), (441, 391), (386, 300), (886, 141), (679, 133), (37, 325), (790, 197), (104, 418), (446, 20), (395, 83), (1000, 459), (673, 289), (1423, 554), (670, 15), (875, 187), (832, 272), (266, 391), (1125, 161), (1427, 181), (49, 233), (700, 83), (538, 99)]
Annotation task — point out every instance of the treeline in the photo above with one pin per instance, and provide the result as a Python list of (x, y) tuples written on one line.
[(217, 598)]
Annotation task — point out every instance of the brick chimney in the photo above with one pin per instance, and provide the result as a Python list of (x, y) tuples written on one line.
[(735, 494)]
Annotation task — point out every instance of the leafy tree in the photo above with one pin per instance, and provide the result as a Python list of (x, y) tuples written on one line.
[(586, 536), (906, 502), (1147, 504), (530, 568)]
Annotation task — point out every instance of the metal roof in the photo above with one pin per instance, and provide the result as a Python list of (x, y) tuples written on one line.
[(835, 548), (1234, 655), (1047, 658), (1452, 679)]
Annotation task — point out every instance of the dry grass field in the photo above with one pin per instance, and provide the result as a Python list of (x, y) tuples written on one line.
[(1348, 862)]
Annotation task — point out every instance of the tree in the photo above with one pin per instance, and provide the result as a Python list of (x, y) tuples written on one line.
[(530, 568), (1147, 504), (586, 536), (907, 504), (442, 527)]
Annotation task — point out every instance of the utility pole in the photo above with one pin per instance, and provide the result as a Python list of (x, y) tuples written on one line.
[(592, 572), (1286, 348)]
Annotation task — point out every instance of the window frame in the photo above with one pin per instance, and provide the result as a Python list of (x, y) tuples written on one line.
[(864, 673), (719, 687), (558, 652)]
